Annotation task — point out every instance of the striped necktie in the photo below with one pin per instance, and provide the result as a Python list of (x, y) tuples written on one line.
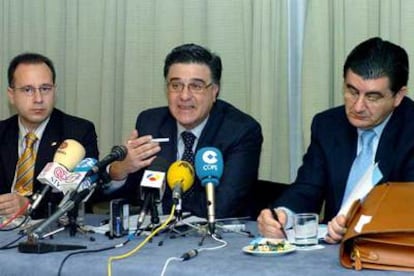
[(188, 139), (25, 167)]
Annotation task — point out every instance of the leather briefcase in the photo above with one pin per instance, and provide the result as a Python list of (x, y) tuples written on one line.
[(380, 229)]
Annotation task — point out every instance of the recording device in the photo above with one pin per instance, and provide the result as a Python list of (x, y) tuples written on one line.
[(119, 218), (67, 156), (209, 169), (118, 153), (152, 188)]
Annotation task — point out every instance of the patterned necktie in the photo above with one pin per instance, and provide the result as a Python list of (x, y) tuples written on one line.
[(188, 139), (25, 167), (364, 159)]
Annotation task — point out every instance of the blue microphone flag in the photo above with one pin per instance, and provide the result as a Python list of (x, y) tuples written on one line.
[(84, 166), (209, 165)]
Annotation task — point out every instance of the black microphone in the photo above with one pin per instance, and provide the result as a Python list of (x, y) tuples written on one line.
[(152, 187), (118, 153)]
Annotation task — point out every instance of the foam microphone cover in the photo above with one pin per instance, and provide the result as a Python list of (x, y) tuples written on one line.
[(69, 154), (181, 172), (209, 165)]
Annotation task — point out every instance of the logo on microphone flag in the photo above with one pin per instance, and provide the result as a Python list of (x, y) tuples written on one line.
[(210, 157), (154, 176), (153, 179)]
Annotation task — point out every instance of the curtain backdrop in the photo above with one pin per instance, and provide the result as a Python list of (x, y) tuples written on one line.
[(109, 56), (332, 29)]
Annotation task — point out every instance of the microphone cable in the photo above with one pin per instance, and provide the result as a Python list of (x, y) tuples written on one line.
[(12, 218), (142, 214), (8, 245), (17, 214), (130, 237), (193, 253), (139, 246)]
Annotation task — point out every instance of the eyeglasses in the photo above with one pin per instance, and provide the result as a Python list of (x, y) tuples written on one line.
[(193, 86), (29, 90)]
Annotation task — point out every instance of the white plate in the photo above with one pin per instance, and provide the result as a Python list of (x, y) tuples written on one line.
[(289, 248)]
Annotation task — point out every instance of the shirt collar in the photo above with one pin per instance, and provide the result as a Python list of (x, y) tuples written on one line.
[(196, 131), (38, 131), (378, 128)]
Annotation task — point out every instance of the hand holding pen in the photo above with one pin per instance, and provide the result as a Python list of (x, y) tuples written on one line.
[(275, 217)]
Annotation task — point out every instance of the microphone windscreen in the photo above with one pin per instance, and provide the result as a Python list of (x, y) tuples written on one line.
[(120, 152), (209, 165), (180, 172), (69, 154)]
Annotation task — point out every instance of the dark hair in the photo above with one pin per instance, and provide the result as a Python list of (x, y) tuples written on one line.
[(28, 58), (193, 53), (376, 58)]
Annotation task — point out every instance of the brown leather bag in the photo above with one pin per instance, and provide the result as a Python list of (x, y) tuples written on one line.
[(380, 230)]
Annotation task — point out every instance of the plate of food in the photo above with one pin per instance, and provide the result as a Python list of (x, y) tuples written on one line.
[(269, 247)]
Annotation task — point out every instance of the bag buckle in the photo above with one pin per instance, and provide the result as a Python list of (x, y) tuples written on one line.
[(356, 256)]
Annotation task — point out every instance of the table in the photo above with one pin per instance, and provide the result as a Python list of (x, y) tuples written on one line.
[(152, 257)]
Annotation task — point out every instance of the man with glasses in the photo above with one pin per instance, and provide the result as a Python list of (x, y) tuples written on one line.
[(195, 115), (374, 125), (32, 93)]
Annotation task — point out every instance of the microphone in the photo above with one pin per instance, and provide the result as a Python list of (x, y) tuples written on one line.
[(180, 178), (118, 153), (74, 199), (152, 186), (209, 169), (33, 246), (153, 180), (85, 182), (69, 153), (79, 189)]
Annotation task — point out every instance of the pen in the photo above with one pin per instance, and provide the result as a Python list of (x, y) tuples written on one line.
[(160, 140), (274, 215)]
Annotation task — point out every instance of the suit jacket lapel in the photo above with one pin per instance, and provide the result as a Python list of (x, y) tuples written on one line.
[(207, 137), (10, 150), (51, 139), (169, 129), (386, 148), (343, 153)]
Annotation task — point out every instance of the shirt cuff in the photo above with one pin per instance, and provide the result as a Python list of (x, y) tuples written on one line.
[(289, 216)]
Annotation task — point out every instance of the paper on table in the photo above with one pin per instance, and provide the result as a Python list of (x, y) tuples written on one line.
[(362, 188)]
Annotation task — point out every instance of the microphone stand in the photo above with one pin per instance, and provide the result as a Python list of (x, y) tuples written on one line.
[(72, 216), (32, 245), (178, 217)]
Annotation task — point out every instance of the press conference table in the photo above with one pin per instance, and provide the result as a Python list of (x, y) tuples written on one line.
[(230, 260)]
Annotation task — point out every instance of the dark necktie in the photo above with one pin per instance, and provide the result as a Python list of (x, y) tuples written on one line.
[(361, 163), (188, 139), (25, 167)]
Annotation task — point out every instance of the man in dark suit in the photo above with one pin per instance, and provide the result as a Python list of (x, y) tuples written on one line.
[(375, 87), (192, 75), (32, 92)]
